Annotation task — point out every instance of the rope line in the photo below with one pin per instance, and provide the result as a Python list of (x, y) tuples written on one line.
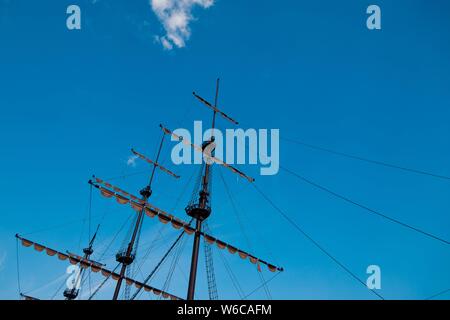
[(241, 226), (103, 282), (296, 226), (160, 262), (174, 264), (265, 283), (59, 289), (437, 294), (365, 207), (18, 266), (380, 163), (114, 238), (89, 233), (232, 276)]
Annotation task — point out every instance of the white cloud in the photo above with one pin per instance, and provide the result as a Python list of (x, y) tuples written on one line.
[(175, 16), (132, 161)]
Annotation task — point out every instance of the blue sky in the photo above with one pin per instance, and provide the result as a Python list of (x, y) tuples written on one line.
[(74, 102)]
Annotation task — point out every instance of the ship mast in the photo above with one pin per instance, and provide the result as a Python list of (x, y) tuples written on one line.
[(201, 210), (126, 258), (72, 293)]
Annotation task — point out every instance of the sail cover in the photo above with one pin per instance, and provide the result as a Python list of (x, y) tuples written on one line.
[(164, 217), (95, 267)]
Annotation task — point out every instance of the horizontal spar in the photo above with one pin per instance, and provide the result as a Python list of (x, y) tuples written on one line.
[(109, 193), (95, 267), (242, 254), (165, 218), (209, 105), (156, 164), (139, 205), (73, 258), (199, 149)]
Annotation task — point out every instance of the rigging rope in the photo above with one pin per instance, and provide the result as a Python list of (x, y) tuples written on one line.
[(209, 263), (18, 266), (264, 285), (235, 211), (88, 218), (241, 226), (156, 270), (150, 294), (183, 192), (437, 294), (158, 237), (365, 207), (114, 238), (103, 282), (89, 213), (59, 289), (266, 282), (163, 228), (46, 284), (160, 262), (173, 265), (233, 278), (296, 226), (89, 234), (380, 163)]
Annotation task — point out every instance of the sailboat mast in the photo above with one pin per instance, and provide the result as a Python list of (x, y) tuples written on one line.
[(202, 211), (128, 258), (72, 293)]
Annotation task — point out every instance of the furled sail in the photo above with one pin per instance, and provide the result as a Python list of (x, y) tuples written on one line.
[(242, 254), (149, 209), (166, 218), (73, 258), (95, 267)]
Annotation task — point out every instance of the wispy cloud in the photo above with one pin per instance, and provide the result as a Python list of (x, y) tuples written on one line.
[(175, 16), (131, 161)]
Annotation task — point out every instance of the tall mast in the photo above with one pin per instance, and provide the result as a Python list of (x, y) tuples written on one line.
[(199, 208), (72, 294), (202, 210), (126, 258)]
